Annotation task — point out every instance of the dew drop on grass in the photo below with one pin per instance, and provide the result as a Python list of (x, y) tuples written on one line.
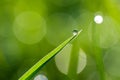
[(40, 77), (57, 24), (75, 32)]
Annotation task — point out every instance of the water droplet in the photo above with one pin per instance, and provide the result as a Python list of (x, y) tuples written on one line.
[(41, 77), (75, 32)]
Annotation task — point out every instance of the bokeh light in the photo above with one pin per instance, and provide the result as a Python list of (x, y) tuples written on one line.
[(29, 27), (107, 33), (40, 77), (63, 60), (98, 19), (82, 62)]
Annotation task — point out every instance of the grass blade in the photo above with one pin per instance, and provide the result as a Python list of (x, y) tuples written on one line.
[(30, 73)]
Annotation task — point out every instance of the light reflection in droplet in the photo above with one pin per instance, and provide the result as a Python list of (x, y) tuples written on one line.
[(75, 32)]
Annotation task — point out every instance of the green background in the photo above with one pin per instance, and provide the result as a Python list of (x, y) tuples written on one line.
[(29, 29)]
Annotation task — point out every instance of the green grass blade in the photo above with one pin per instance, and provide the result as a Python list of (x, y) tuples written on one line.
[(33, 70)]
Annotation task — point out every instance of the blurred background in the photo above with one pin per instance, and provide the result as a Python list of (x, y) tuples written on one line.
[(29, 29)]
